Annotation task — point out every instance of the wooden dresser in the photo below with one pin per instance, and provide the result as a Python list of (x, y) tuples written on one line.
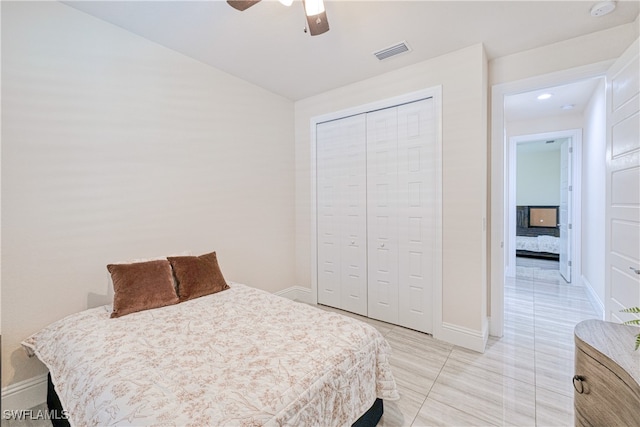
[(607, 380)]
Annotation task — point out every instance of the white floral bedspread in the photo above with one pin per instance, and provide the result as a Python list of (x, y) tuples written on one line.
[(542, 243), (240, 357)]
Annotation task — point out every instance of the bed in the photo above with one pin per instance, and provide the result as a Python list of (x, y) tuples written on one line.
[(537, 232), (240, 356)]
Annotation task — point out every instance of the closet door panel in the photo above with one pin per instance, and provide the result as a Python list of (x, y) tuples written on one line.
[(329, 199), (416, 214), (354, 221), (382, 187)]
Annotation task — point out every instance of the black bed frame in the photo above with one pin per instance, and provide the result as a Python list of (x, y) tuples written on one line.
[(54, 405), (537, 255), (368, 419)]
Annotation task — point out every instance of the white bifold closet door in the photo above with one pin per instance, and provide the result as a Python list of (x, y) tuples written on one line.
[(401, 213), (341, 202), (382, 207)]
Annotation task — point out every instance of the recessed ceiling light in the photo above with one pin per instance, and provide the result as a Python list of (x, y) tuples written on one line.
[(603, 8), (544, 96), (568, 107)]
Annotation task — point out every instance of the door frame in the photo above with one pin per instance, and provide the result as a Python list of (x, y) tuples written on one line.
[(499, 190), (432, 92), (574, 219)]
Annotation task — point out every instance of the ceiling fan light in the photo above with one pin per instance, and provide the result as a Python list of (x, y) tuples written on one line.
[(286, 2), (313, 7)]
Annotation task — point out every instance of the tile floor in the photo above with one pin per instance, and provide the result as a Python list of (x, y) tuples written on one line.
[(522, 379)]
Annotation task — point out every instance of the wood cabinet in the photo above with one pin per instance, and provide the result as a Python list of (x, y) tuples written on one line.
[(607, 375)]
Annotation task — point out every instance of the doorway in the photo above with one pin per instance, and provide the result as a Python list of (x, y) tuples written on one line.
[(543, 202), (501, 228)]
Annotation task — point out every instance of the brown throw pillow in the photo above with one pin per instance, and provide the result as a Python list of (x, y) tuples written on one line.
[(197, 275), (141, 286)]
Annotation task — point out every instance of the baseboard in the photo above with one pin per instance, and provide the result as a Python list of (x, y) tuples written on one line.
[(296, 293), (496, 329), (593, 298), (465, 337), (25, 394)]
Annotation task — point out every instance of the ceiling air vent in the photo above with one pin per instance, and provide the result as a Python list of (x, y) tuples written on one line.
[(392, 51)]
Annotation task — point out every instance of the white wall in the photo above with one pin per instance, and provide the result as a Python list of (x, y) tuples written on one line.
[(593, 193), (463, 76), (547, 124), (538, 177), (115, 148), (588, 49)]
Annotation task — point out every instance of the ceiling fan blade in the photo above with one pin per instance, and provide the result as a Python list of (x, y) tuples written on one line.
[(242, 4), (318, 24)]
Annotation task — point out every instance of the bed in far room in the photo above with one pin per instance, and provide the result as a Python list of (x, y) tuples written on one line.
[(239, 356), (537, 232)]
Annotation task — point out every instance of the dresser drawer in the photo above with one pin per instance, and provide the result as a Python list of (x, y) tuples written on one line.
[(601, 398)]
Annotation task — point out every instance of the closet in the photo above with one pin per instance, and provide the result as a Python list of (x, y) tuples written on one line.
[(376, 213)]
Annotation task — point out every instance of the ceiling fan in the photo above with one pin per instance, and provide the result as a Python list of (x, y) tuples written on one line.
[(314, 10)]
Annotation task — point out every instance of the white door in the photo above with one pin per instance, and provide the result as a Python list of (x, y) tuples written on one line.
[(341, 204), (565, 208), (401, 212), (353, 245), (329, 167), (382, 214), (622, 232), (416, 213)]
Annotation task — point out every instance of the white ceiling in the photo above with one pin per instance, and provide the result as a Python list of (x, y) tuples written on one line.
[(527, 106), (266, 44)]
